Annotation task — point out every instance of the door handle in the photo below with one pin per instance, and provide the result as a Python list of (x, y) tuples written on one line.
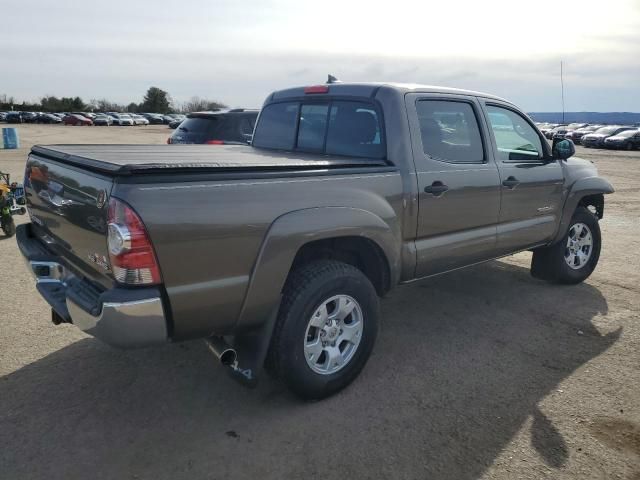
[(436, 189), (511, 182)]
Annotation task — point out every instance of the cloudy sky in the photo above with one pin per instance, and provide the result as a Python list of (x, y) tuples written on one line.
[(237, 51)]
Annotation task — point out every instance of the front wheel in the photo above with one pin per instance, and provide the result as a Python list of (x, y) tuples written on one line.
[(326, 328), (573, 258)]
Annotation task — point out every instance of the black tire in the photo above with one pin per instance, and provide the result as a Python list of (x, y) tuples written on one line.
[(549, 263), (8, 226), (305, 290)]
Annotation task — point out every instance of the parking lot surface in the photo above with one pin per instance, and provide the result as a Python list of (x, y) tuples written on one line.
[(481, 373)]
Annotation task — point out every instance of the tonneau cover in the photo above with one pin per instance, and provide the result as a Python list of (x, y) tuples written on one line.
[(128, 159)]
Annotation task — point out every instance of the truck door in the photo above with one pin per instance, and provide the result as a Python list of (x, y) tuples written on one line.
[(531, 182), (458, 182)]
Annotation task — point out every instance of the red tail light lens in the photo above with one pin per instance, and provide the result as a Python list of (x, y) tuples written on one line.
[(133, 260), (215, 142), (169, 141)]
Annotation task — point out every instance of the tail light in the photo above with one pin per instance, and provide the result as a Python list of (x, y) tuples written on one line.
[(215, 142), (169, 141), (133, 260)]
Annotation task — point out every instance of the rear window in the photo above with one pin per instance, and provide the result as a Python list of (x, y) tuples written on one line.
[(197, 125), (628, 133), (277, 127), (334, 128), (606, 130)]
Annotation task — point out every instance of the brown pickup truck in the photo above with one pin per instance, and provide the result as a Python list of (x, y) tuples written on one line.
[(277, 252)]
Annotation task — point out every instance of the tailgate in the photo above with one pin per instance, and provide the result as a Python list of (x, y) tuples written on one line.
[(68, 207)]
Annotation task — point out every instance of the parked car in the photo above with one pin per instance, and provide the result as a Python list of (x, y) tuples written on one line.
[(14, 117), (154, 119), (283, 248), (139, 119), (76, 119), (30, 117), (103, 120), (562, 132), (547, 127), (576, 135), (627, 140), (48, 118), (122, 119), (232, 127), (177, 120), (551, 132), (597, 138)]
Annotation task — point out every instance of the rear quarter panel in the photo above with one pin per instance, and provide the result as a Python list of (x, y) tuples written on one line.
[(208, 234)]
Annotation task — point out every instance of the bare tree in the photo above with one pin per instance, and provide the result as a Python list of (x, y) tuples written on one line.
[(197, 104)]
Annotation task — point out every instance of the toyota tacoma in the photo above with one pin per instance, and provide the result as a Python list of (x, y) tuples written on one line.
[(277, 252)]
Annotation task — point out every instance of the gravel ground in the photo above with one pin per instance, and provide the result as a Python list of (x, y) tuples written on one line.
[(482, 373)]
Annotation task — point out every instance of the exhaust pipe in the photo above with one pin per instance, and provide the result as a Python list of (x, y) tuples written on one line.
[(222, 350)]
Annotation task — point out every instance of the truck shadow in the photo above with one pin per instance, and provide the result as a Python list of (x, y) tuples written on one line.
[(461, 364)]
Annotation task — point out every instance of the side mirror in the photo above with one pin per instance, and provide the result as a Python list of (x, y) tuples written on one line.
[(563, 149)]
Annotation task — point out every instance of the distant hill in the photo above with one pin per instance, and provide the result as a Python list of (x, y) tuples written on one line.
[(622, 118)]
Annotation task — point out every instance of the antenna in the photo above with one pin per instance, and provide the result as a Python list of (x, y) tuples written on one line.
[(332, 79), (562, 89)]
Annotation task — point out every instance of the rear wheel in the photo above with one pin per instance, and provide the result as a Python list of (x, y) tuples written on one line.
[(326, 328), (573, 258)]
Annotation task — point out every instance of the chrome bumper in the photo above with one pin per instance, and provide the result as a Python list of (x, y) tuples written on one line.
[(127, 324), (123, 318)]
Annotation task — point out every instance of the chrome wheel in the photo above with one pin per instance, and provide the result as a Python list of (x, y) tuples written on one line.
[(333, 334), (579, 246)]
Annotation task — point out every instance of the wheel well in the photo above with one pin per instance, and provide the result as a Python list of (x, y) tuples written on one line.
[(594, 203), (362, 253)]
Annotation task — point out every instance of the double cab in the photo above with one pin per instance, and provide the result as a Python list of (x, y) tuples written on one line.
[(277, 252)]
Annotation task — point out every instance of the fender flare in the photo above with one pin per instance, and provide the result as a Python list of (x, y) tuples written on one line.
[(289, 232), (580, 189)]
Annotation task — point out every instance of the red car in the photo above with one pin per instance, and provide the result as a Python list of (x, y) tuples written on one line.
[(75, 119)]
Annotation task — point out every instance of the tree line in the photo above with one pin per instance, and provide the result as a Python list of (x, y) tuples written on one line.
[(155, 100)]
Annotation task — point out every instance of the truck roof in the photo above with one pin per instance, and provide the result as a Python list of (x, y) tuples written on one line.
[(367, 89)]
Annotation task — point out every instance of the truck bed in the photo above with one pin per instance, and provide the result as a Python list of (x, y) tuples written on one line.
[(131, 159)]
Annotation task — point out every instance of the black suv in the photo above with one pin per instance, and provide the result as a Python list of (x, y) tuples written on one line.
[(229, 127)]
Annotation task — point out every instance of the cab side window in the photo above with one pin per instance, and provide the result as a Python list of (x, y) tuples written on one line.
[(449, 131), (516, 139)]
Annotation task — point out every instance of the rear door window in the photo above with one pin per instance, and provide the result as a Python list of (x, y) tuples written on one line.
[(277, 127), (449, 131)]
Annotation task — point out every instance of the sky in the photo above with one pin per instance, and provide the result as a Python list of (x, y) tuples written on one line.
[(239, 51)]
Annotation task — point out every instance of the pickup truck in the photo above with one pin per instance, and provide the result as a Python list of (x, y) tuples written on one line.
[(276, 253)]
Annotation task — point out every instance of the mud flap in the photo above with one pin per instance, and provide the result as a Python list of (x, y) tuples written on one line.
[(251, 349)]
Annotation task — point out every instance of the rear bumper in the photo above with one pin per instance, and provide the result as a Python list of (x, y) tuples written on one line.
[(120, 317)]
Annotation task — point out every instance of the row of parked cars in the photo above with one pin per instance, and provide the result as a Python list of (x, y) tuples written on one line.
[(89, 118), (625, 137), (224, 127)]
